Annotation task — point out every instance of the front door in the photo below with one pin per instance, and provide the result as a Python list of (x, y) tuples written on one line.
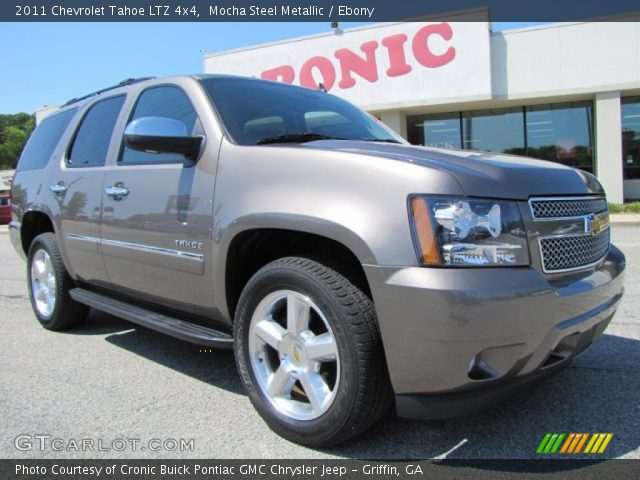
[(157, 218)]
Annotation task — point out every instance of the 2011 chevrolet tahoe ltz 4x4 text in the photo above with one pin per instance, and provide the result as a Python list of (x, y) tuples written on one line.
[(347, 269)]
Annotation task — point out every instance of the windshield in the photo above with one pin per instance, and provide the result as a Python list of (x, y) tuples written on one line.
[(256, 112)]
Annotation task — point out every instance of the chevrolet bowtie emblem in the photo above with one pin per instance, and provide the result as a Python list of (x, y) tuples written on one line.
[(595, 223)]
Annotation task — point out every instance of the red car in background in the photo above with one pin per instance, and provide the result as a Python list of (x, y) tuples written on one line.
[(5, 208)]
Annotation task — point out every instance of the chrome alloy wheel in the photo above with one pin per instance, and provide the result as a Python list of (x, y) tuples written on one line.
[(294, 355), (43, 283)]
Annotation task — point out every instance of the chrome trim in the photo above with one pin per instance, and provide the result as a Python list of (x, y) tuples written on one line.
[(138, 246), (154, 249), (83, 238), (561, 199), (116, 192), (572, 269), (58, 188)]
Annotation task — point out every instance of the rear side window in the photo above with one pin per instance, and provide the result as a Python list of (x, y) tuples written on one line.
[(90, 145), (44, 139), (166, 102)]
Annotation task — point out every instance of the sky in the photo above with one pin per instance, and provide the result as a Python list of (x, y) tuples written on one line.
[(50, 63)]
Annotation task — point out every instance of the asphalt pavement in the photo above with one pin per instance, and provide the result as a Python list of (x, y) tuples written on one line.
[(126, 391)]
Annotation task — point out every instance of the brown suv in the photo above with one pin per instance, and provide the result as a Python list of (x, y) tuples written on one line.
[(346, 268)]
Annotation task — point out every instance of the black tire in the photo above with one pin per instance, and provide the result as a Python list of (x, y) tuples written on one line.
[(363, 395), (66, 312)]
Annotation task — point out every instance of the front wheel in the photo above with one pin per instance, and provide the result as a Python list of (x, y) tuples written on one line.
[(309, 352)]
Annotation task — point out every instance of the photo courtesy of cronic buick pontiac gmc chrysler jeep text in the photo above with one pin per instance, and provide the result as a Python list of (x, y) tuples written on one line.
[(349, 270)]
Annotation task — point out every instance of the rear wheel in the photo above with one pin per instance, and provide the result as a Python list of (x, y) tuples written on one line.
[(49, 284), (309, 353)]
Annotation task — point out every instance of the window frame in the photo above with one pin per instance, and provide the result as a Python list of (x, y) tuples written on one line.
[(185, 162), (80, 122)]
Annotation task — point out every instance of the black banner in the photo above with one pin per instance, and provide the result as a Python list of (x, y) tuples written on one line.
[(306, 10), (319, 469)]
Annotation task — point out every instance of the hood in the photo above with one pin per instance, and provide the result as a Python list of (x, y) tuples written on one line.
[(480, 174)]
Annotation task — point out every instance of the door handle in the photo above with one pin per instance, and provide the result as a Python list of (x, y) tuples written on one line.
[(117, 192), (58, 188)]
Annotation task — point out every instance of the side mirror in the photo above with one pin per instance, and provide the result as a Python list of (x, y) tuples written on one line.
[(161, 135)]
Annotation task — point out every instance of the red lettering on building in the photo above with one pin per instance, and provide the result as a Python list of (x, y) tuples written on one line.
[(350, 62), (284, 74), (324, 66), (422, 51), (397, 59)]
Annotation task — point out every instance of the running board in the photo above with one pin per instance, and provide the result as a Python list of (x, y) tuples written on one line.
[(187, 331)]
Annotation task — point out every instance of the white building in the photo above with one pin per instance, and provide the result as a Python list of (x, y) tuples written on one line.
[(45, 110), (566, 92)]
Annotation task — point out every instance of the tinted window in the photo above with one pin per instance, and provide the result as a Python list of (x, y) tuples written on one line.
[(497, 130), (44, 140), (167, 102), (441, 130), (91, 143), (264, 128), (561, 133), (631, 137), (291, 110)]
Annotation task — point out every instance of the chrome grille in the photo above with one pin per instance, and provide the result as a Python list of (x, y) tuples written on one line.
[(558, 208), (567, 253), (573, 231)]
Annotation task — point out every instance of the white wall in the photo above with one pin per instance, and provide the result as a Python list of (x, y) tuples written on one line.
[(609, 144), (565, 59)]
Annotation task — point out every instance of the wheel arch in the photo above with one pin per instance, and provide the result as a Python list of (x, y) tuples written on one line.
[(34, 222), (252, 247)]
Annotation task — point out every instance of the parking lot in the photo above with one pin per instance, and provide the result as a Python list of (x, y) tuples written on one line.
[(111, 380)]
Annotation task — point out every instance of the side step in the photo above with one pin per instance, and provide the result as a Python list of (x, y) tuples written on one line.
[(187, 331)]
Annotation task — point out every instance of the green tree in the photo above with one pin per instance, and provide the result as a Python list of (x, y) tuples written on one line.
[(14, 132)]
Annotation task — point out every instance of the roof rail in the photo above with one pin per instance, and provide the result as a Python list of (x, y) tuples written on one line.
[(128, 81)]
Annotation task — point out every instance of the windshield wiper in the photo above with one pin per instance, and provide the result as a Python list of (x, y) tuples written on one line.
[(296, 138), (382, 140)]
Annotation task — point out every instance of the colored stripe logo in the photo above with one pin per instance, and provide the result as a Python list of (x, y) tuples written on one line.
[(574, 443)]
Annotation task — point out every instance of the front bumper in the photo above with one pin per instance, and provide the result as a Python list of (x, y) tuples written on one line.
[(457, 340)]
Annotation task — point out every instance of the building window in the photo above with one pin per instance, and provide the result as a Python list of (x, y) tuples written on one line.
[(631, 138), (495, 130), (561, 133), (442, 130)]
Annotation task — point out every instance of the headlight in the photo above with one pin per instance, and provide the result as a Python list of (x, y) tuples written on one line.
[(467, 232)]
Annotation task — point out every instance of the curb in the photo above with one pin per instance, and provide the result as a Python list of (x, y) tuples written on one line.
[(624, 219)]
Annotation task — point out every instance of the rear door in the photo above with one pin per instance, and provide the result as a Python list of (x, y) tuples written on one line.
[(77, 187), (157, 225)]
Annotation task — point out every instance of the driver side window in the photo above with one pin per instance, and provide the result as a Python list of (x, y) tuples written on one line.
[(165, 102)]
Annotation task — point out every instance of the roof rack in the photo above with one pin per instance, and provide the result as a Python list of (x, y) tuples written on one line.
[(128, 81)]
